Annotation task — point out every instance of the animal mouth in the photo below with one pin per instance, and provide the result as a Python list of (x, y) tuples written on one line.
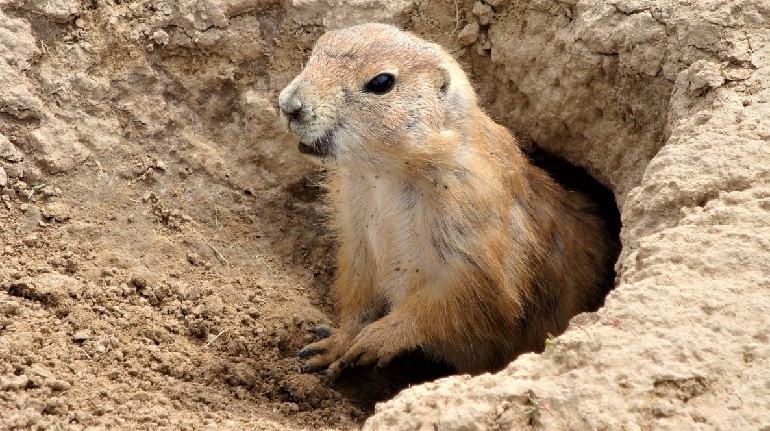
[(319, 148)]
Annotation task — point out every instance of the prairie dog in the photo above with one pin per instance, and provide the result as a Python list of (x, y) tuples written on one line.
[(449, 239)]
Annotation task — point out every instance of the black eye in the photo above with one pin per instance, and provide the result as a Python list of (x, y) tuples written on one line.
[(381, 83)]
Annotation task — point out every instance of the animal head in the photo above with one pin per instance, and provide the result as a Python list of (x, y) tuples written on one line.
[(372, 92)]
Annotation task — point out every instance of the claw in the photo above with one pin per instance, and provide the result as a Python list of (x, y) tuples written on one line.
[(306, 352), (331, 374), (353, 362), (322, 331), (335, 369)]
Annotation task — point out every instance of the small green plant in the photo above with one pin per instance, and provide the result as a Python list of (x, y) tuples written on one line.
[(551, 340), (34, 189), (536, 406)]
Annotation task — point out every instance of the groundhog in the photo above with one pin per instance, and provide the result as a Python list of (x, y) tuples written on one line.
[(450, 241)]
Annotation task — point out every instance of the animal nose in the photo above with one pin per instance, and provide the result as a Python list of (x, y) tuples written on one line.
[(290, 106)]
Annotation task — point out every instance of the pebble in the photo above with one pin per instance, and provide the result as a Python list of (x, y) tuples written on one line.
[(58, 211), (3, 177), (40, 371), (469, 34), (14, 382), (14, 171), (8, 151), (199, 310), (138, 281), (82, 335), (484, 12), (30, 240), (20, 186), (58, 385), (102, 345)]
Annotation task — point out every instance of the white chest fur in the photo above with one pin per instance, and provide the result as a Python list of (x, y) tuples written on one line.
[(388, 218)]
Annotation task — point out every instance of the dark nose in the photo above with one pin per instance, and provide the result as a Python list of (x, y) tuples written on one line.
[(291, 107)]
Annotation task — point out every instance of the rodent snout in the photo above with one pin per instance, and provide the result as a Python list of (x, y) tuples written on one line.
[(290, 105), (301, 120)]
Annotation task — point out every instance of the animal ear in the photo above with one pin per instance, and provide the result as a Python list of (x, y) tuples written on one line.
[(444, 78)]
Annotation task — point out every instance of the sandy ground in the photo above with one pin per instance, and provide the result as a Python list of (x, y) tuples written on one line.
[(163, 252)]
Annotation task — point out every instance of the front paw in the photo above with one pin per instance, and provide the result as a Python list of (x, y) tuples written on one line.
[(323, 353), (378, 343)]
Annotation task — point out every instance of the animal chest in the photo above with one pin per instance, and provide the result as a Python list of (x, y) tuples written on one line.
[(391, 222)]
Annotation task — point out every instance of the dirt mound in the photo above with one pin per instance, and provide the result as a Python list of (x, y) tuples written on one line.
[(163, 253)]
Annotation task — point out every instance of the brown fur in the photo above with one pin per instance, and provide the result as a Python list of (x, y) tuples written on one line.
[(449, 240)]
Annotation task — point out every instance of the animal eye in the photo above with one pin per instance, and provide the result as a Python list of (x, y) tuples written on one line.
[(381, 83)]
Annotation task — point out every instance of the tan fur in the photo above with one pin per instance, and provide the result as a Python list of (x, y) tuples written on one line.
[(449, 240)]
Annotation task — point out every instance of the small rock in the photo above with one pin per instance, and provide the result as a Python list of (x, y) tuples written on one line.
[(33, 175), (114, 290), (298, 320), (127, 290), (30, 240), (14, 171), (703, 74), (198, 329), (14, 382), (8, 151), (194, 259), (484, 12), (150, 295), (62, 11), (81, 336), (3, 177), (469, 34), (194, 293), (199, 310), (20, 186), (40, 371), (58, 211), (102, 345), (24, 207), (138, 281), (160, 37), (56, 406), (58, 385)]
